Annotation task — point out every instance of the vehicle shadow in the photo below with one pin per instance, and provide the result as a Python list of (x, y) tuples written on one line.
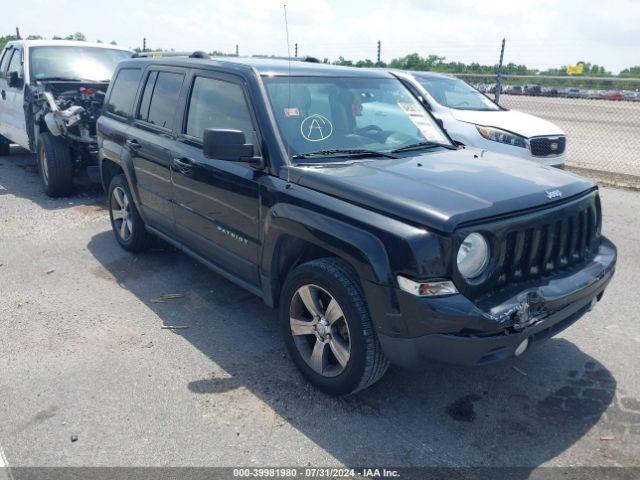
[(19, 176), (519, 414)]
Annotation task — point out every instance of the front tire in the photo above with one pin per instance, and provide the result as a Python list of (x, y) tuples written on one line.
[(55, 165), (126, 222), (327, 327), (5, 147)]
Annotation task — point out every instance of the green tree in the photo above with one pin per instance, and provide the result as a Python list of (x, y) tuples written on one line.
[(631, 72), (344, 62), (79, 36), (365, 63), (6, 39)]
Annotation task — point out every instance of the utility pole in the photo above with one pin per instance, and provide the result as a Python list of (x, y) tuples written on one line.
[(296, 50), (144, 44), (379, 51), (18, 34), (237, 50), (499, 79)]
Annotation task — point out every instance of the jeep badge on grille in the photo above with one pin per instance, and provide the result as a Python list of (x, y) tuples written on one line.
[(551, 194)]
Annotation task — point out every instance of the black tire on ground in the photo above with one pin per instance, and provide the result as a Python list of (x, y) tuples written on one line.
[(5, 147), (55, 165), (126, 222), (366, 362)]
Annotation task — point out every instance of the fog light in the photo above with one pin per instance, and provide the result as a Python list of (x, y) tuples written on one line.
[(522, 347)]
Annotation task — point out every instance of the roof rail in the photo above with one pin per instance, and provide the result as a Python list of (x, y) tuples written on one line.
[(161, 54)]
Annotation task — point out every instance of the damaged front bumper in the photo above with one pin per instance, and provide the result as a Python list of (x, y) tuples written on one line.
[(455, 330), (70, 122)]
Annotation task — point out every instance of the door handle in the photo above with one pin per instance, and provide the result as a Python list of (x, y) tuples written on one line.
[(183, 164), (133, 144), (4, 95)]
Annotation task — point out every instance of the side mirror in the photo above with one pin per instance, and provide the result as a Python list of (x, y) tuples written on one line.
[(228, 145), (15, 81)]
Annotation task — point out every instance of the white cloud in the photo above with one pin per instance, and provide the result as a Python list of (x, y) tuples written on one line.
[(540, 33)]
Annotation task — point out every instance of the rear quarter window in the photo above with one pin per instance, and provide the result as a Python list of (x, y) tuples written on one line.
[(123, 92)]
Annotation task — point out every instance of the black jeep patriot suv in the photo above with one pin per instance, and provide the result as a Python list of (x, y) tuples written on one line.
[(334, 195)]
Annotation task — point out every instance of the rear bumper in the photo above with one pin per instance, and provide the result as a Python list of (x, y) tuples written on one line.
[(473, 335)]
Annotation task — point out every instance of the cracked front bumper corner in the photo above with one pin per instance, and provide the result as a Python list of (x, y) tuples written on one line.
[(455, 330)]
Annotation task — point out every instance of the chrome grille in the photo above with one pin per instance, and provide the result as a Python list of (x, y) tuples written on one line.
[(546, 146)]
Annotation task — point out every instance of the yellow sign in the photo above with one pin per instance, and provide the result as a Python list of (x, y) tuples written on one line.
[(575, 69)]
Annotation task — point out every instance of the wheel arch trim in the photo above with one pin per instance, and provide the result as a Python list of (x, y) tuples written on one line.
[(360, 249)]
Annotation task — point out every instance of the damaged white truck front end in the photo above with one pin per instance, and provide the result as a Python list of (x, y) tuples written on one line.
[(62, 123), (57, 89)]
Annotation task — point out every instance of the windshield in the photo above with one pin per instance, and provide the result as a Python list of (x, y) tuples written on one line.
[(74, 63), (321, 114), (454, 93)]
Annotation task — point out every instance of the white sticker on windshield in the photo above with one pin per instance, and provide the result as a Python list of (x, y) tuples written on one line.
[(488, 102), (422, 121), (316, 128)]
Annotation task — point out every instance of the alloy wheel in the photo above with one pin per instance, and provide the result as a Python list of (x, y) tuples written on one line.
[(121, 213), (320, 330)]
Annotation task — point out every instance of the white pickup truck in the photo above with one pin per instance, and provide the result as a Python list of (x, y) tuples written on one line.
[(51, 94)]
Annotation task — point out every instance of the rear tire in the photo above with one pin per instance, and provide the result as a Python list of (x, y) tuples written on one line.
[(56, 165), (5, 147), (335, 348), (126, 222)]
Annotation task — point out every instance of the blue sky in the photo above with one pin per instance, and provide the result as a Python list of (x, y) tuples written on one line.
[(540, 33)]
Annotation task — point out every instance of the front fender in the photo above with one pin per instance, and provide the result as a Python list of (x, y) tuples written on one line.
[(361, 249)]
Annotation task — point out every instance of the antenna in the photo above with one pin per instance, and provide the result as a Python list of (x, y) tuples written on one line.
[(286, 26)]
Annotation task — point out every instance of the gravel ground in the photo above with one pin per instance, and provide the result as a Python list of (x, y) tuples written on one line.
[(89, 378), (602, 135)]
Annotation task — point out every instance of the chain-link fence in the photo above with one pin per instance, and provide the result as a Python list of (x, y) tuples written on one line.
[(600, 116)]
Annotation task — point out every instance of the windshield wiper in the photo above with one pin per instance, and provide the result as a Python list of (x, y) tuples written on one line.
[(426, 144), (345, 152)]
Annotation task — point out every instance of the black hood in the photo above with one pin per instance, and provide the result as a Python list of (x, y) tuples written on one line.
[(444, 189)]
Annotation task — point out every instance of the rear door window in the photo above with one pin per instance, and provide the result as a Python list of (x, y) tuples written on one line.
[(123, 92), (143, 112), (160, 99)]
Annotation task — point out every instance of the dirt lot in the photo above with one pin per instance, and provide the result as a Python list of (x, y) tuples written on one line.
[(89, 378)]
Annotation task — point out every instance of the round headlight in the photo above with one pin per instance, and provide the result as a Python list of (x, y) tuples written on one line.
[(473, 256)]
